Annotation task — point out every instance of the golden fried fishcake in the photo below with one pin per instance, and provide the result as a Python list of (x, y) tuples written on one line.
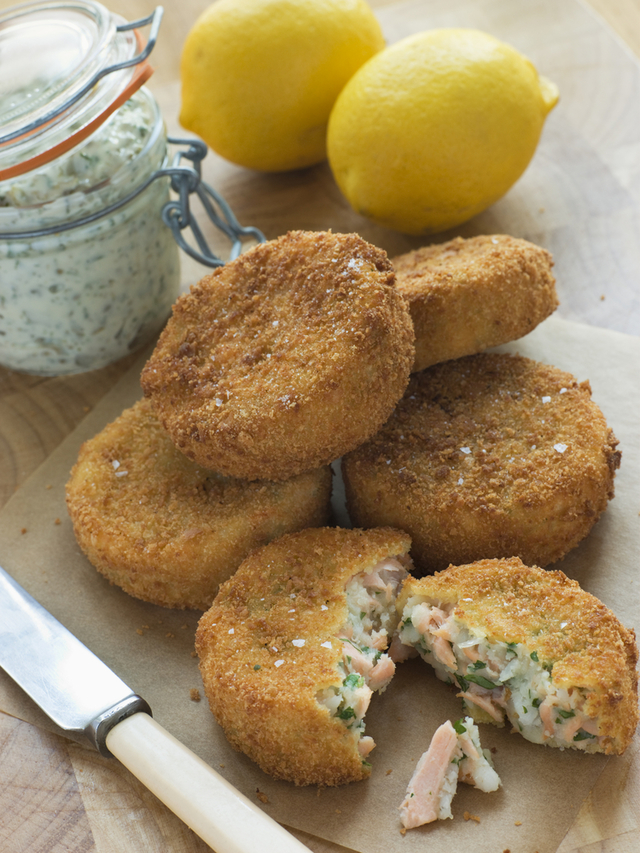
[(285, 358), (168, 531), (530, 645), (293, 647), (468, 295), (487, 456)]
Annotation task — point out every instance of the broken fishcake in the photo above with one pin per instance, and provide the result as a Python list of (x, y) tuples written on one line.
[(527, 645), (454, 755), (294, 646), (167, 530), (468, 295), (284, 358), (491, 455)]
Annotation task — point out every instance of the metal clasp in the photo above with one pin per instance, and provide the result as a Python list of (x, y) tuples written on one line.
[(177, 214)]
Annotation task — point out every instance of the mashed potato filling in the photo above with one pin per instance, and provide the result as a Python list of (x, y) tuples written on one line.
[(497, 679), (365, 666)]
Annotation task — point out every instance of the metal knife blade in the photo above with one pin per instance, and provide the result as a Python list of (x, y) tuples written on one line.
[(82, 695), (71, 685)]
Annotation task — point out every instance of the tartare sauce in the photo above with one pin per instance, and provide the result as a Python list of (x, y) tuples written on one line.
[(79, 299)]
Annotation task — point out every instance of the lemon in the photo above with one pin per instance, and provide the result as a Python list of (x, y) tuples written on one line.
[(437, 127), (259, 77)]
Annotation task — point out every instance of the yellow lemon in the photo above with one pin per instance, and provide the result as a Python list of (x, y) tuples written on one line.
[(436, 128), (259, 77)]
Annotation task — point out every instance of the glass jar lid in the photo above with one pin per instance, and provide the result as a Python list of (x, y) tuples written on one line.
[(66, 66)]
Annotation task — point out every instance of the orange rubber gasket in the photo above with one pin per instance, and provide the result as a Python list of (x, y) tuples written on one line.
[(140, 76)]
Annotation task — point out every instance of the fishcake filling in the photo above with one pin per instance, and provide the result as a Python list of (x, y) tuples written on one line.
[(365, 666), (497, 679)]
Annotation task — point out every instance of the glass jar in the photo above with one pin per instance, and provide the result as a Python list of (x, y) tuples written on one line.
[(84, 278)]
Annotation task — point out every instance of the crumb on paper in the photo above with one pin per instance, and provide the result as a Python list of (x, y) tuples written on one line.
[(140, 631), (170, 635), (469, 816), (194, 653), (49, 486), (518, 823), (194, 694), (262, 797), (389, 772), (602, 298), (23, 530), (403, 831), (338, 811), (86, 409), (57, 521)]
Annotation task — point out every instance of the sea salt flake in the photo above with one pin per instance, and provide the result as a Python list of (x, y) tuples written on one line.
[(218, 401), (323, 607), (121, 473), (298, 643), (293, 610), (115, 464), (278, 662), (546, 399), (326, 644), (460, 481), (563, 391), (465, 450), (560, 447), (232, 630)]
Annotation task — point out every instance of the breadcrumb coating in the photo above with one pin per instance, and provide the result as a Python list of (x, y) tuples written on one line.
[(268, 646), (490, 455), (285, 358), (167, 530), (570, 631), (468, 295)]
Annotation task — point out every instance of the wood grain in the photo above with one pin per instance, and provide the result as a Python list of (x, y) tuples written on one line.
[(57, 797)]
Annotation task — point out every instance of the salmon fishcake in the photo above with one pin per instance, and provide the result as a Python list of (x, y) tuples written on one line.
[(490, 455), (294, 646), (285, 358), (468, 295), (527, 645), (168, 531)]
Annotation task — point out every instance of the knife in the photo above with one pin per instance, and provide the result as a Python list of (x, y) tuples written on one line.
[(84, 697)]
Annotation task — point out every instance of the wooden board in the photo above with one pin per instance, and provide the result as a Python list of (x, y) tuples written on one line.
[(58, 797)]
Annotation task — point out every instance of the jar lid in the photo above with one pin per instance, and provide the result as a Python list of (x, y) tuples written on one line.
[(66, 66)]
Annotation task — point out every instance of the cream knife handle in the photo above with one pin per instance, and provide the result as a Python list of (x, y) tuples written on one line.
[(214, 809)]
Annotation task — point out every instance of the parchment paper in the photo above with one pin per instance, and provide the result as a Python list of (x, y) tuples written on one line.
[(151, 648)]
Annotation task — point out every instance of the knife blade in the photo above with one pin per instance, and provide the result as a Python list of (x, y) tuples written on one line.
[(87, 699)]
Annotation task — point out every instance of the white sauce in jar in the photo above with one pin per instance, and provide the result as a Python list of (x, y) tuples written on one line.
[(79, 299)]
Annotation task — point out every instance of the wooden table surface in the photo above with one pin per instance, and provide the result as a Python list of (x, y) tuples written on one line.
[(56, 796)]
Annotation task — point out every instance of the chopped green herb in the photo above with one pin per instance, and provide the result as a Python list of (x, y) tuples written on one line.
[(479, 679), (512, 648), (534, 656), (257, 666), (353, 680), (479, 664), (582, 735), (566, 714), (346, 714), (462, 681), (460, 727), (536, 703)]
